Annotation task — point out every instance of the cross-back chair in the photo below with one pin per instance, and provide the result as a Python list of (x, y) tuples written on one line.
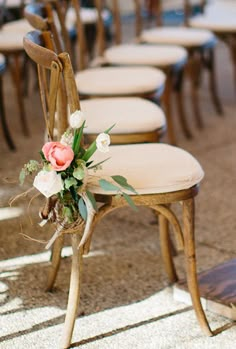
[(200, 44), (137, 119), (4, 124), (162, 174), (170, 59), (11, 46), (219, 17)]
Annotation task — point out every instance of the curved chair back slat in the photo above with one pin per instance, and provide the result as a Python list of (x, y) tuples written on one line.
[(52, 86), (41, 17)]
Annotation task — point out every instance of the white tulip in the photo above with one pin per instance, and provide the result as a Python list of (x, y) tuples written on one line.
[(48, 183), (76, 119), (102, 142)]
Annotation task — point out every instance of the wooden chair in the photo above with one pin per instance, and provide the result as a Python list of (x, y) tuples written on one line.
[(219, 17), (170, 59), (200, 45), (11, 46), (162, 174), (5, 129), (138, 120)]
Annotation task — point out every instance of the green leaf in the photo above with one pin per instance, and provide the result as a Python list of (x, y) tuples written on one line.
[(122, 181), (92, 199), (99, 163), (89, 163), (130, 201), (22, 176), (68, 213), (69, 182), (42, 155), (109, 129), (74, 194), (90, 151), (105, 185), (77, 139), (82, 209), (79, 172)]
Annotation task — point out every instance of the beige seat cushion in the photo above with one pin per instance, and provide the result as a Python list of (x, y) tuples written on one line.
[(160, 56), (15, 3), (21, 25), (119, 81), (187, 37), (11, 41), (149, 168), (2, 59), (218, 23), (129, 114)]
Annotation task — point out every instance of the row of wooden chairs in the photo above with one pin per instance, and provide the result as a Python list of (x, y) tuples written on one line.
[(182, 45)]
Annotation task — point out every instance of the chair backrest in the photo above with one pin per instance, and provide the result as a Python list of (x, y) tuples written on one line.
[(186, 7), (189, 9), (115, 8), (41, 17), (58, 89), (51, 16)]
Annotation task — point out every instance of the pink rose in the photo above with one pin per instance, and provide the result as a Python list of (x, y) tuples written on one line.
[(59, 155)]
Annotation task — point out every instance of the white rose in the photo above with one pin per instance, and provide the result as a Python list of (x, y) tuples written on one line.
[(48, 183), (76, 119), (102, 142)]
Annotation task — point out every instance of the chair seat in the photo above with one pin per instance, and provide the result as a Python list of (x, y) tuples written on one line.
[(21, 25), (15, 3), (2, 63), (183, 36), (160, 56), (218, 23), (150, 168), (11, 41), (119, 81), (129, 114)]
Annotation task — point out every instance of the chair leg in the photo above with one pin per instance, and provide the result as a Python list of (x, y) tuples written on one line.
[(166, 249), (190, 258), (15, 68), (233, 55), (212, 83), (168, 110), (74, 292), (194, 70), (5, 129), (55, 262), (180, 105)]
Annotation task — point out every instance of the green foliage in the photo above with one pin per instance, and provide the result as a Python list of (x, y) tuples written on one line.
[(77, 139), (98, 164), (22, 176), (28, 169), (67, 213), (70, 182), (130, 201), (105, 185), (92, 199), (122, 181), (79, 172), (83, 209)]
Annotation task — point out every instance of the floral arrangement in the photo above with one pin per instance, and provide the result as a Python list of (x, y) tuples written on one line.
[(63, 176)]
